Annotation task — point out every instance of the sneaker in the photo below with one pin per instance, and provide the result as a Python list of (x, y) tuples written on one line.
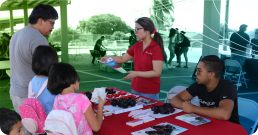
[(185, 66), (168, 66), (173, 66), (178, 66)]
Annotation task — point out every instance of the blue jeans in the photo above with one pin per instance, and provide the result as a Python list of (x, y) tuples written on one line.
[(152, 96)]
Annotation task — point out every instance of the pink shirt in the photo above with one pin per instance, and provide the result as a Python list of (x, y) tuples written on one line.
[(78, 108)]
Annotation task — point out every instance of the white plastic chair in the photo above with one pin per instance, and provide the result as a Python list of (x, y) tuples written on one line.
[(239, 74), (177, 89), (249, 109)]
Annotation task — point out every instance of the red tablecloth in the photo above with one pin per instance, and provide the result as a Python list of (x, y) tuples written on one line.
[(116, 125)]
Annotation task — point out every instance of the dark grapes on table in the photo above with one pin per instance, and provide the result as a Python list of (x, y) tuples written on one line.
[(166, 108), (125, 103), (88, 94)]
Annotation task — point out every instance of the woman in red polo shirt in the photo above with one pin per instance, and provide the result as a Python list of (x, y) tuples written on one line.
[(148, 56)]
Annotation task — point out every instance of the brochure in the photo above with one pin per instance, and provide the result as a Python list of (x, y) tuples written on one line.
[(193, 119), (145, 102), (113, 64)]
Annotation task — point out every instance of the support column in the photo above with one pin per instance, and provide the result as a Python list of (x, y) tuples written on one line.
[(25, 12), (212, 20), (64, 31), (11, 22)]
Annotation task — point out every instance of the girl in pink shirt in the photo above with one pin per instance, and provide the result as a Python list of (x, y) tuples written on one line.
[(64, 81)]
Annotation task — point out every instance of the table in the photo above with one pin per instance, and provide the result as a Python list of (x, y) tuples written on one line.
[(5, 64), (117, 49), (116, 125)]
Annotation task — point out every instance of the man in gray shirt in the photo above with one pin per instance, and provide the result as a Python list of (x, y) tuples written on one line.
[(22, 46)]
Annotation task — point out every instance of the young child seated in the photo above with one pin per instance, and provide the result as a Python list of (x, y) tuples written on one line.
[(10, 122), (43, 58), (63, 81)]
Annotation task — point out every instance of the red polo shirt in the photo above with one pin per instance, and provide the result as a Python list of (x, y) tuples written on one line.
[(143, 62)]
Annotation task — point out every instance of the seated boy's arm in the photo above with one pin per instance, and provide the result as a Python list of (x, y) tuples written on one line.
[(223, 112), (178, 100)]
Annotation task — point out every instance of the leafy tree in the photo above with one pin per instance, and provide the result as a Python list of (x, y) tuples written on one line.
[(161, 12), (222, 29), (103, 24), (118, 35), (55, 36)]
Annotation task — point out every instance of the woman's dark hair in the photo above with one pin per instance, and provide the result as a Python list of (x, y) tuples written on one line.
[(213, 64), (61, 76), (8, 118), (172, 32), (148, 25), (43, 58), (42, 11)]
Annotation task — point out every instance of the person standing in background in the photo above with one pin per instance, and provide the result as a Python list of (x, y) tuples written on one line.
[(184, 47), (239, 42), (100, 48), (171, 47), (254, 43)]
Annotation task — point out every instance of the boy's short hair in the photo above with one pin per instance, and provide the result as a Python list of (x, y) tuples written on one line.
[(43, 58), (61, 76), (214, 64), (42, 11), (8, 118)]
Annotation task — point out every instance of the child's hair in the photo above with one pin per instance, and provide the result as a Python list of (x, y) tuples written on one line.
[(43, 58), (61, 76), (148, 25), (8, 118)]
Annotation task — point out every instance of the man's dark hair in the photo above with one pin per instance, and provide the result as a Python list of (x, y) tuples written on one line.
[(43, 58), (243, 27), (42, 11), (213, 64), (61, 76), (8, 118), (102, 36)]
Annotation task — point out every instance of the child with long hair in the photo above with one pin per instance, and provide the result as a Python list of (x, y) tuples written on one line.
[(64, 82), (43, 58)]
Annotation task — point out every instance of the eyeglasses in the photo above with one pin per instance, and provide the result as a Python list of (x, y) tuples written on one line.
[(199, 71), (136, 30), (52, 22)]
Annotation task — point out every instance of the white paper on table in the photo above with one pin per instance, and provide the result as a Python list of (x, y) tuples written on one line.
[(118, 110), (98, 92)]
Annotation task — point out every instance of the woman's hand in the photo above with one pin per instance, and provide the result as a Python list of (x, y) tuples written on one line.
[(132, 74), (104, 59), (102, 102)]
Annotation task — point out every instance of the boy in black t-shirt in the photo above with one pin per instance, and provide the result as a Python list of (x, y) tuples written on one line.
[(217, 97)]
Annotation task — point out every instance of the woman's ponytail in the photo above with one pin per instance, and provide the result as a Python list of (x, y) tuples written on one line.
[(158, 39)]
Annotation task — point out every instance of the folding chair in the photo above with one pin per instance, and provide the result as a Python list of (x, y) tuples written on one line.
[(8, 72), (128, 65), (248, 112), (177, 89), (94, 53), (233, 69)]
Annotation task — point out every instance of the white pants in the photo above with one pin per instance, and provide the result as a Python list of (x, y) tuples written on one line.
[(17, 101)]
